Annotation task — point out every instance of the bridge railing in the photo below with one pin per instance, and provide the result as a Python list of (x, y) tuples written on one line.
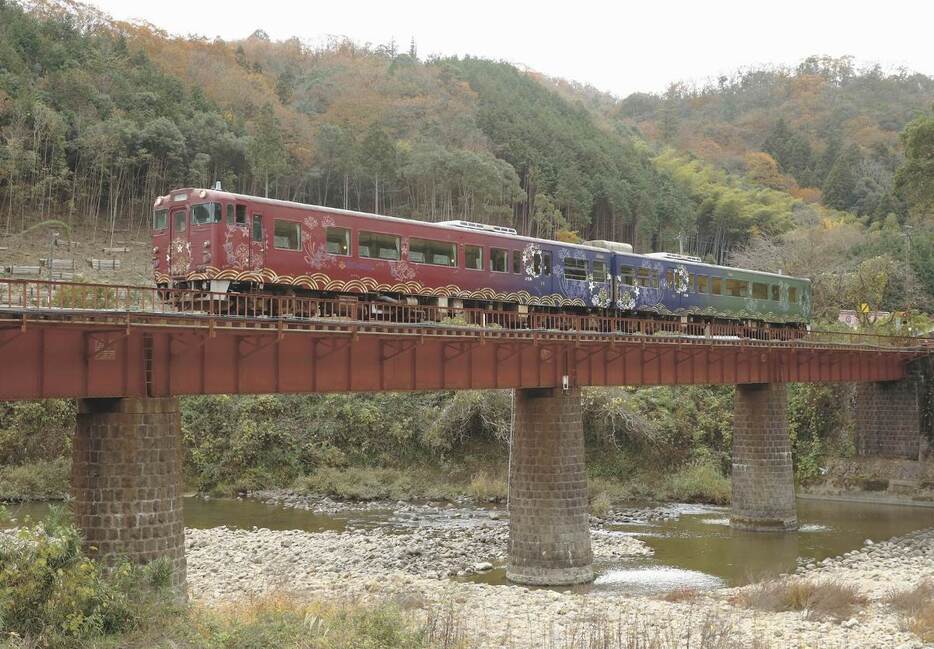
[(76, 298)]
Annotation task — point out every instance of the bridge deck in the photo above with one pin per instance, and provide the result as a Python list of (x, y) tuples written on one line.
[(84, 340)]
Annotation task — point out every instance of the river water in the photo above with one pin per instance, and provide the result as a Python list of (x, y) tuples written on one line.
[(694, 549)]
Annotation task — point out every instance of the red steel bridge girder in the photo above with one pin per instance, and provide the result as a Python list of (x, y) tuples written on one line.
[(53, 359)]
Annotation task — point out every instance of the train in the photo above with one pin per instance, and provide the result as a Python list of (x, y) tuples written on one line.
[(213, 240)]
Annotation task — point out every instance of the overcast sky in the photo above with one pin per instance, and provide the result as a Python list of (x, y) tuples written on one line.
[(620, 46)]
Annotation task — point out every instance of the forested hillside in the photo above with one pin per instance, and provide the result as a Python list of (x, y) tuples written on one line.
[(97, 117)]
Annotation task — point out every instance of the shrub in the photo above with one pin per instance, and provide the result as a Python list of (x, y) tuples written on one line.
[(699, 481), (821, 599), (486, 488), (31, 431), (601, 504), (43, 480), (52, 595)]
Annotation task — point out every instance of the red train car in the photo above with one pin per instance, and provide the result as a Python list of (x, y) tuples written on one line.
[(216, 240)]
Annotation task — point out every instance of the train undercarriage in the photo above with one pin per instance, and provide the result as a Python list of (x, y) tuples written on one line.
[(251, 300)]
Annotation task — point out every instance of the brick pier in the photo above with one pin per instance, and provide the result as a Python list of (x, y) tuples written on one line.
[(549, 527), (763, 476), (894, 418), (126, 481)]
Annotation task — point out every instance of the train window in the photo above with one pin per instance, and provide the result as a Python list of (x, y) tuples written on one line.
[(737, 288), (338, 241), (702, 284), (670, 279), (498, 260), (378, 246), (546, 263), (438, 253), (575, 269), (793, 294), (241, 215), (230, 214), (178, 224), (760, 291), (205, 213), (627, 276), (257, 227), (599, 270), (286, 235), (473, 257), (716, 286), (160, 219), (776, 293), (647, 278), (516, 261)]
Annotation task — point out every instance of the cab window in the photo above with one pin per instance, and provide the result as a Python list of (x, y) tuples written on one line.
[(178, 221), (160, 219), (516, 261), (241, 215), (205, 213)]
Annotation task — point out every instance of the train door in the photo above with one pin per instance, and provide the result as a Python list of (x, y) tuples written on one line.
[(202, 233), (179, 246), (257, 243)]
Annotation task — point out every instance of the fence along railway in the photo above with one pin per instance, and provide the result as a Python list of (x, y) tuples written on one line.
[(126, 352)]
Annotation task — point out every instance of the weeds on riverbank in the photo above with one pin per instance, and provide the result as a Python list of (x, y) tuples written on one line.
[(40, 480), (52, 595), (688, 631), (820, 599), (917, 606)]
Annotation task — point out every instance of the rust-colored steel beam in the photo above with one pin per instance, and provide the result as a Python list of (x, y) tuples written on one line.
[(83, 340), (51, 358)]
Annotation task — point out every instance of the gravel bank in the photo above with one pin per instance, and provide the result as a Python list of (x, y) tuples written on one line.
[(412, 568)]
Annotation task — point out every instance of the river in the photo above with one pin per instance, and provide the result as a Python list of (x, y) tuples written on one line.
[(694, 546)]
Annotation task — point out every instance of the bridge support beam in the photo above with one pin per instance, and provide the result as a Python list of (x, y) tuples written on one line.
[(763, 476), (126, 481), (549, 526)]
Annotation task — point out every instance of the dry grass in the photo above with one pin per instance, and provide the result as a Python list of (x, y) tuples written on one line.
[(680, 595), (601, 504), (487, 488), (917, 605), (819, 599)]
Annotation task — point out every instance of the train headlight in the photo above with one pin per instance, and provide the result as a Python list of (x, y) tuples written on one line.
[(202, 193)]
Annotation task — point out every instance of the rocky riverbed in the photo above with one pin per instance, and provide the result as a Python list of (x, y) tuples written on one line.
[(414, 566)]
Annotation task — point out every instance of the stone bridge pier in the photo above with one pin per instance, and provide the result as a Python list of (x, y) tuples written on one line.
[(895, 419), (126, 481), (763, 475), (549, 519)]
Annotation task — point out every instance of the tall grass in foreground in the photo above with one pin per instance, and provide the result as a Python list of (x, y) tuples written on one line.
[(917, 606)]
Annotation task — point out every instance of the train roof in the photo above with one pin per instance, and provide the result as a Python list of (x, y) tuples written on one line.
[(217, 193)]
